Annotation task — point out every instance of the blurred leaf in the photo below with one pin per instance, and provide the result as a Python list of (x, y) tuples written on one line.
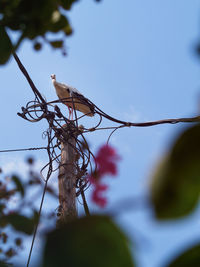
[(5, 47), (59, 25), (5, 264), (30, 160), (2, 207), (19, 222), (34, 180), (87, 242), (57, 44), (4, 237), (68, 30), (176, 183), (190, 258), (3, 194), (19, 185), (18, 241), (6, 194), (35, 216), (67, 4), (10, 253), (33, 19), (37, 46)]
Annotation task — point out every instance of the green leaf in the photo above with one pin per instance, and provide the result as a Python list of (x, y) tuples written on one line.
[(87, 242), (60, 24), (19, 186), (57, 44), (19, 222), (190, 257), (67, 4), (2, 207), (68, 30), (176, 183), (5, 46), (10, 253), (5, 264), (3, 237), (37, 46)]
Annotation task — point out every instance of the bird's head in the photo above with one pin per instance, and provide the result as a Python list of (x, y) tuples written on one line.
[(53, 76)]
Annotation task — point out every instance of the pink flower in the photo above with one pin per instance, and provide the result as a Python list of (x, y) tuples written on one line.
[(106, 161), (97, 197)]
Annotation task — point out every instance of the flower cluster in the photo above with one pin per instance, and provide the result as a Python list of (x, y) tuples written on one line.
[(106, 162)]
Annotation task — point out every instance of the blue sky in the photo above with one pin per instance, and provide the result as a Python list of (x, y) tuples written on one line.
[(136, 61)]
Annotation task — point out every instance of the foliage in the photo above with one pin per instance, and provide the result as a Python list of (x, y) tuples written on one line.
[(190, 257), (176, 183), (18, 216), (87, 242), (6, 46), (97, 240), (33, 20), (11, 187), (175, 187)]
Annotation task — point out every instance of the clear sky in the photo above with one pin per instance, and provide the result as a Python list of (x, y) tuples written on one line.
[(136, 61)]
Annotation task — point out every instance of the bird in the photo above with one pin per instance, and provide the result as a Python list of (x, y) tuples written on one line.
[(72, 98)]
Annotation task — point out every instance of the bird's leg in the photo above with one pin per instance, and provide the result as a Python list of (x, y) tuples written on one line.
[(69, 112), (72, 112)]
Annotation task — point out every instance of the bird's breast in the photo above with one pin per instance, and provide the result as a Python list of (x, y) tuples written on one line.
[(62, 92)]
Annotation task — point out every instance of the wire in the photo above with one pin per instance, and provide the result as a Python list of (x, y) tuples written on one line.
[(36, 227), (61, 130), (22, 149)]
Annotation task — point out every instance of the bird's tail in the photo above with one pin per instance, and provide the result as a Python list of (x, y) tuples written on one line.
[(84, 109)]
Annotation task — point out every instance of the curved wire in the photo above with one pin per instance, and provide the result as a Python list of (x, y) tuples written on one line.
[(60, 129)]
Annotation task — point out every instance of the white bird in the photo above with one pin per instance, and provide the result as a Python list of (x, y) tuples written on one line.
[(72, 98)]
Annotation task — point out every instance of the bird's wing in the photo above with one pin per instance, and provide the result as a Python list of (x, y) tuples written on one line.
[(78, 101), (78, 96), (62, 90), (83, 104), (73, 90), (63, 86)]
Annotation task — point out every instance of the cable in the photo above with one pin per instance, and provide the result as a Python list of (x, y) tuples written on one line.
[(36, 227), (22, 149), (61, 129)]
